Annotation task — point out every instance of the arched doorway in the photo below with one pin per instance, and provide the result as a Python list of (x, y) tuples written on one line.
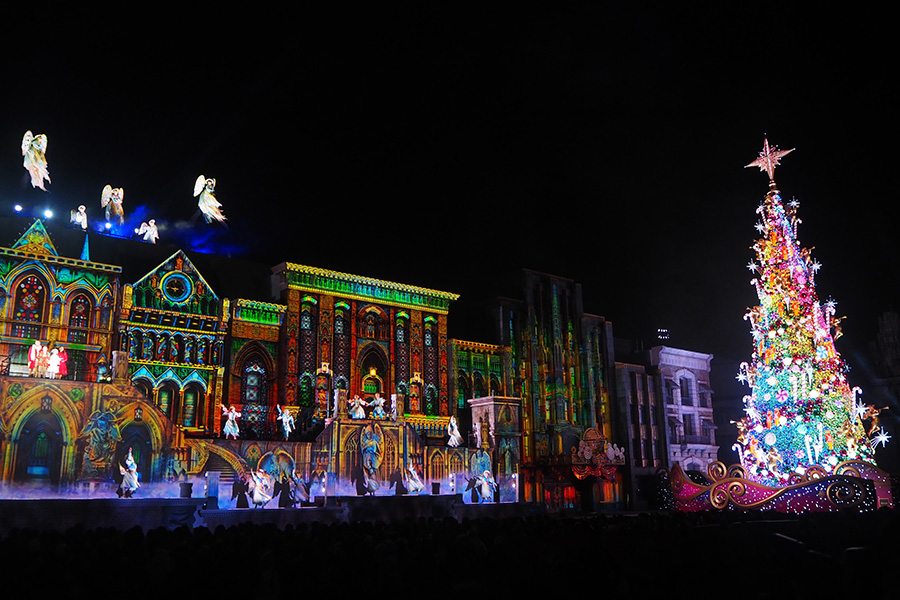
[(40, 450)]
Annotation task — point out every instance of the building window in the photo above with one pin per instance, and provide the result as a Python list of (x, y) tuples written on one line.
[(687, 398), (253, 384), (28, 309)]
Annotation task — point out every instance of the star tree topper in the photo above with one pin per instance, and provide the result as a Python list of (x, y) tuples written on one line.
[(769, 158)]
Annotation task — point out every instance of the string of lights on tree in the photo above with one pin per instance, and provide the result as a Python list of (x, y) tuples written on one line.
[(802, 416)]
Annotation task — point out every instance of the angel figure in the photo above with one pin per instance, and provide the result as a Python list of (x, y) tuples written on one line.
[(111, 199), (79, 216), (33, 149), (371, 448), (149, 231), (209, 206), (287, 420)]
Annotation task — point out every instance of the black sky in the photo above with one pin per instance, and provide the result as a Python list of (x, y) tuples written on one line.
[(433, 144)]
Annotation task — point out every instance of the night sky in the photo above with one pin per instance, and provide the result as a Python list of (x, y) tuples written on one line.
[(437, 145)]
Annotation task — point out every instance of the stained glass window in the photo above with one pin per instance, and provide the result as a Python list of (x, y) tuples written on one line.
[(29, 307)]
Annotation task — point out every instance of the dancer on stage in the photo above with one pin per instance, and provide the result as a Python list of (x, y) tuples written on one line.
[(377, 405), (488, 486), (412, 482), (231, 426), (453, 431), (239, 490), (63, 363), (356, 408), (130, 482), (34, 357), (260, 488), (287, 420), (52, 371)]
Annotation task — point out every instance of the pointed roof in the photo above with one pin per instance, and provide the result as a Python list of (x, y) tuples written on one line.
[(35, 240), (177, 262), (35, 244)]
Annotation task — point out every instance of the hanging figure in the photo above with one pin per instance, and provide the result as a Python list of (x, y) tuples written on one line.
[(287, 420), (149, 231), (208, 204), (33, 149), (231, 426), (79, 217), (130, 482), (111, 200)]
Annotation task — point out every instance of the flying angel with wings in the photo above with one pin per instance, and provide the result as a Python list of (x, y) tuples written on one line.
[(33, 149), (209, 206), (111, 199), (149, 231), (79, 217)]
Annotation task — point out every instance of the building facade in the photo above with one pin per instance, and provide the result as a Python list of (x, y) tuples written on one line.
[(691, 429)]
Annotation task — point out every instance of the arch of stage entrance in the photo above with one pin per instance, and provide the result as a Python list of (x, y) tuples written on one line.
[(43, 400)]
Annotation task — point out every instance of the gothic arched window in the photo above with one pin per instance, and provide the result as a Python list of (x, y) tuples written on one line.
[(28, 310), (253, 381)]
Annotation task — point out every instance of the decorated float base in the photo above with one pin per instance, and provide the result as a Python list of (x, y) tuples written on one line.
[(854, 486)]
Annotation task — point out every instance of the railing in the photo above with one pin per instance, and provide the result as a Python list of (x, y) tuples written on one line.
[(88, 373), (696, 439)]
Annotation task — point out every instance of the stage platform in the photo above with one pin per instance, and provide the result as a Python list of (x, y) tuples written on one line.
[(150, 513)]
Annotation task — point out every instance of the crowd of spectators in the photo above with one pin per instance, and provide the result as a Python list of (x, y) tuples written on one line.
[(715, 554)]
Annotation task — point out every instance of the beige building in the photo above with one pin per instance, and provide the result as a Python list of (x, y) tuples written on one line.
[(691, 431)]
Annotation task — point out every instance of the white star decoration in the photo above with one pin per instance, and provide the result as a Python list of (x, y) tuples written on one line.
[(752, 266), (882, 438)]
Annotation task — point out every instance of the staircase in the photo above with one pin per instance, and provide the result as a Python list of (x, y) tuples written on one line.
[(227, 473)]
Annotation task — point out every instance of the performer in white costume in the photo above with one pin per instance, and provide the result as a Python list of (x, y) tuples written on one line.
[(130, 482), (287, 420), (453, 431), (231, 427)]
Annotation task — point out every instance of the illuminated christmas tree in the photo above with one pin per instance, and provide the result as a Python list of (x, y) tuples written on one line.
[(802, 417)]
